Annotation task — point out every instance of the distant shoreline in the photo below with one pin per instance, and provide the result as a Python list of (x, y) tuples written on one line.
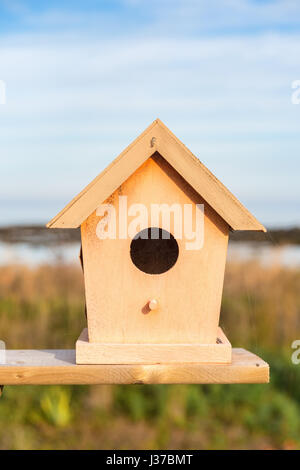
[(38, 235)]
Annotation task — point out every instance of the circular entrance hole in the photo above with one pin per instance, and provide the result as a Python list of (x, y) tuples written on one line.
[(154, 250)]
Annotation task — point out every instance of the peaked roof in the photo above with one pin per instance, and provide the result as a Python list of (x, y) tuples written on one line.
[(157, 138)]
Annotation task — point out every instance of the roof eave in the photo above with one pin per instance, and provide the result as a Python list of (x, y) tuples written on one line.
[(157, 138)]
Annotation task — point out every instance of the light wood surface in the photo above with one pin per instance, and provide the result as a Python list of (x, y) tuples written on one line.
[(110, 353), (189, 294), (45, 367), (153, 304), (157, 138)]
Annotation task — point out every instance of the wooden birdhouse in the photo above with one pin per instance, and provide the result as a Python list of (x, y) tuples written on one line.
[(154, 227)]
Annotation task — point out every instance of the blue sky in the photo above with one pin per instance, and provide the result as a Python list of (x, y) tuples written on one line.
[(83, 79)]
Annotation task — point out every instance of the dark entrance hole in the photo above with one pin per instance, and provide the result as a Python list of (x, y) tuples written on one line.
[(154, 250)]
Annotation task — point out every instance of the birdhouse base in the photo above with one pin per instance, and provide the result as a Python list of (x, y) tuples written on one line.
[(118, 353)]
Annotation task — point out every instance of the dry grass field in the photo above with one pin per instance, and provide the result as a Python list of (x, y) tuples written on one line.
[(43, 307)]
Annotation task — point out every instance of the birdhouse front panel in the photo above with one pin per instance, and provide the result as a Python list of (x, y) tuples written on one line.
[(154, 228), (161, 290)]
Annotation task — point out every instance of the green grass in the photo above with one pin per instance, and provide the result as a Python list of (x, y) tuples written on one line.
[(43, 308)]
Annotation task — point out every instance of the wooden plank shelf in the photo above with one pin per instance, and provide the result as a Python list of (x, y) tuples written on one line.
[(46, 367)]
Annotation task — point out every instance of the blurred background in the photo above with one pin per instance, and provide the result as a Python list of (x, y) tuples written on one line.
[(81, 81)]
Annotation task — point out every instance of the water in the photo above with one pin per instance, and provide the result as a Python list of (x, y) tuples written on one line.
[(31, 255), (266, 253)]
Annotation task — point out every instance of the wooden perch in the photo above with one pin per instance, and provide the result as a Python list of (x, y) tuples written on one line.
[(45, 367)]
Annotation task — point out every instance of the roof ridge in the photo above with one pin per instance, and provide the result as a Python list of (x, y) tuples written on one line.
[(180, 157)]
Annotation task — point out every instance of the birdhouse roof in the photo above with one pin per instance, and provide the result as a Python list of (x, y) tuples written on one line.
[(157, 138)]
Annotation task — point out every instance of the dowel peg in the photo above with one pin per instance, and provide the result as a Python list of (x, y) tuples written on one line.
[(153, 304)]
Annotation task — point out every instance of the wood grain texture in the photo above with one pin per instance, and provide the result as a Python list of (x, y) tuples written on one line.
[(189, 294), (46, 367), (108, 353), (157, 137)]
